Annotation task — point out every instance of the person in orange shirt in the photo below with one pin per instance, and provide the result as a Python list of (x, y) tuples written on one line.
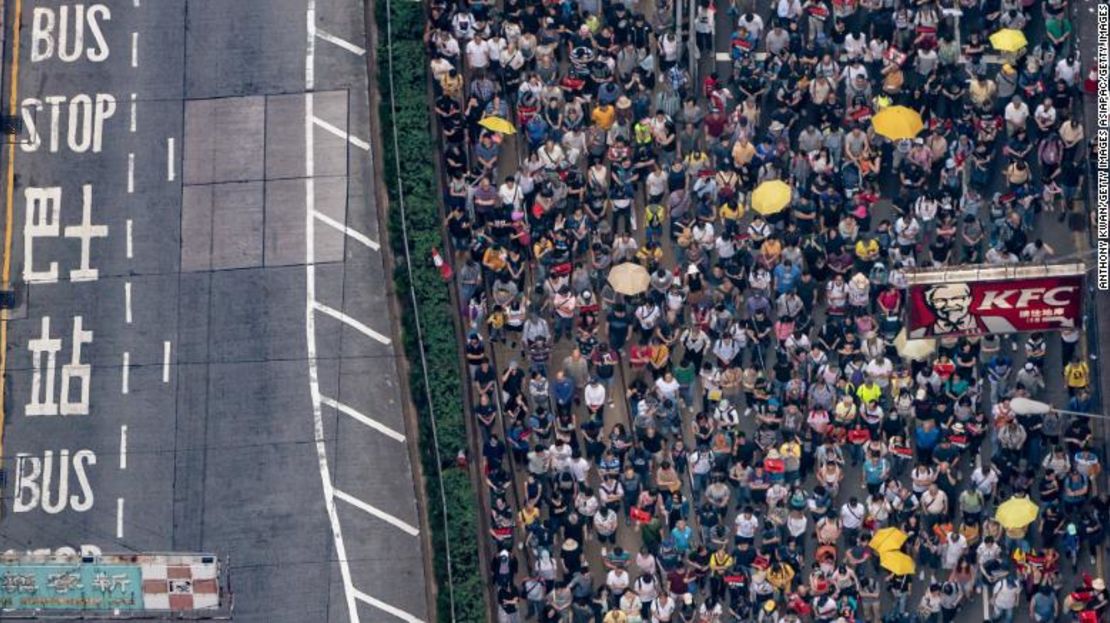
[(604, 116)]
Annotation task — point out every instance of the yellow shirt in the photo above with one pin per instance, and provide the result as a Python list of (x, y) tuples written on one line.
[(1077, 374), (731, 212), (742, 153), (867, 393), (720, 561), (604, 116)]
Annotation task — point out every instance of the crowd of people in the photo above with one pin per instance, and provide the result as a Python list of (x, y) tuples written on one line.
[(724, 445)]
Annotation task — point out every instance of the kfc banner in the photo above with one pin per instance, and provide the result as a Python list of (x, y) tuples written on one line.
[(969, 302)]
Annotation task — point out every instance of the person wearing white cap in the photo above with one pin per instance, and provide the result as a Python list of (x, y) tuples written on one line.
[(1031, 379)]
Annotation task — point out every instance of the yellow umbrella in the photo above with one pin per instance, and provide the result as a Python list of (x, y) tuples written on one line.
[(771, 197), (629, 278), (1008, 40), (887, 540), (914, 350), (1016, 513), (898, 123), (497, 124), (896, 562)]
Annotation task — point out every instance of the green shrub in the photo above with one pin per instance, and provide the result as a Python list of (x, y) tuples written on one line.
[(419, 183)]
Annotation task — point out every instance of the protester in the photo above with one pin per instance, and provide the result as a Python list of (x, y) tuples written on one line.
[(746, 422)]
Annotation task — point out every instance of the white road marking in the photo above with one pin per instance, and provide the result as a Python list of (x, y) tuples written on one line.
[(127, 302), (354, 233), (125, 384), (343, 43), (130, 173), (310, 80), (134, 49), (170, 174), (134, 109), (361, 328), (166, 361), (377, 512), (130, 253), (136, 2), (119, 518), (123, 446), (354, 140), (381, 605), (310, 315), (361, 417)]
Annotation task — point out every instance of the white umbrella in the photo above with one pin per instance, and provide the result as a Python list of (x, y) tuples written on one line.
[(915, 350), (1027, 406)]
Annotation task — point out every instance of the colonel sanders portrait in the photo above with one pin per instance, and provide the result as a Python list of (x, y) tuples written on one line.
[(950, 306)]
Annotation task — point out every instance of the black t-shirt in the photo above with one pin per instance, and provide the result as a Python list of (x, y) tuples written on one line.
[(484, 377)]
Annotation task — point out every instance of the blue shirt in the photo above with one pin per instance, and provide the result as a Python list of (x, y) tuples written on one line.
[(926, 439), (563, 390), (786, 277), (682, 538), (873, 471)]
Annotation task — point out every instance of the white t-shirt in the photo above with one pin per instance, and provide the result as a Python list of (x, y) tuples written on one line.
[(1017, 114), (852, 517), (746, 526), (477, 54)]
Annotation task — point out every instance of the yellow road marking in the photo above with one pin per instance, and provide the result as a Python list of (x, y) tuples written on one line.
[(6, 272)]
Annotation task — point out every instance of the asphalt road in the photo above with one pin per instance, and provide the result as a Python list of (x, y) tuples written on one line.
[(232, 384)]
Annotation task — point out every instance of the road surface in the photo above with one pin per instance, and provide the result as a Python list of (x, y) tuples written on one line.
[(201, 358)]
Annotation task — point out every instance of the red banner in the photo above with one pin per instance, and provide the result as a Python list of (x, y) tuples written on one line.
[(1002, 306)]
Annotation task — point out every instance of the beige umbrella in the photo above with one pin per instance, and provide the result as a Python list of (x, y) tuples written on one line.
[(629, 278), (915, 350)]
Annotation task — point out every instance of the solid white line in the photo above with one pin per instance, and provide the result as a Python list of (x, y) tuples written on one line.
[(119, 518), (125, 384), (340, 316), (343, 43), (134, 109), (166, 361), (130, 173), (127, 302), (123, 446), (354, 233), (354, 140), (361, 417), (380, 514), (310, 71), (381, 605), (130, 253), (170, 174), (310, 316), (134, 49)]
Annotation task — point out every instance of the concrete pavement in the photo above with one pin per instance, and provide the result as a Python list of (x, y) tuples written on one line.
[(202, 351)]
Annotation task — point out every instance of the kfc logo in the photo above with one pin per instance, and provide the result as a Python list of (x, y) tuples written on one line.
[(1001, 299), (981, 307)]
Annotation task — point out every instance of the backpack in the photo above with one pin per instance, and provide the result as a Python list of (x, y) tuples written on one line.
[(1051, 151)]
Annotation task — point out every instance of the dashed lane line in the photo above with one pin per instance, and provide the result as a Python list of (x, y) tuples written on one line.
[(400, 524), (123, 446), (361, 417), (171, 174), (354, 140), (343, 43), (384, 607), (353, 233), (355, 324)]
